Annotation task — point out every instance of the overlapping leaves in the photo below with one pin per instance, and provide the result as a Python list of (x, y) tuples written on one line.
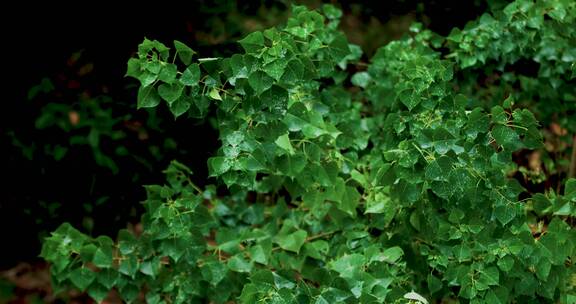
[(386, 193)]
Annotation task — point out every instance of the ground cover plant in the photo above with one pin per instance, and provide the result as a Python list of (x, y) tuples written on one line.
[(340, 181)]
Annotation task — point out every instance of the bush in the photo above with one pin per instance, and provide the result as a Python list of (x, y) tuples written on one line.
[(340, 183)]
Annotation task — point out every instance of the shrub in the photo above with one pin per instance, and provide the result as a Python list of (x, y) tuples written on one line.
[(387, 184)]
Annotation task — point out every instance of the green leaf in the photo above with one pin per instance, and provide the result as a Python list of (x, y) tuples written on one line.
[(258, 254), (488, 277), (214, 272), (180, 106), (168, 73), (505, 263), (174, 247), (107, 277), (317, 249), (276, 99), (128, 266), (170, 92), (215, 94), (293, 72), (185, 53), (361, 79), (392, 254), (434, 284), (253, 42), (293, 241), (82, 277), (126, 242), (283, 142), (260, 81), (291, 165), (506, 137), (191, 76), (103, 257), (98, 292), (148, 97), (504, 213), (238, 264), (218, 165), (348, 265)]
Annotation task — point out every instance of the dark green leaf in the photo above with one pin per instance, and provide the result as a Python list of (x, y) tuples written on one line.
[(185, 53)]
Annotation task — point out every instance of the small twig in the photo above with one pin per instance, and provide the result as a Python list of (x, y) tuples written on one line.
[(572, 170)]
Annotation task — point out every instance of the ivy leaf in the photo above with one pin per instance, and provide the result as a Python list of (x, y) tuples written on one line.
[(170, 92), (218, 165), (506, 263), (488, 277), (185, 53), (293, 241), (276, 99), (283, 142), (260, 81), (238, 264), (361, 79), (148, 97), (505, 214), (107, 277), (215, 94), (191, 76), (103, 257), (293, 72), (348, 265), (506, 137), (253, 42), (128, 266), (168, 73), (97, 292), (82, 277), (180, 106)]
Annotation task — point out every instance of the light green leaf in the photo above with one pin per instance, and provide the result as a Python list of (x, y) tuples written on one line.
[(348, 265), (361, 79), (283, 142), (293, 241), (215, 94), (238, 264), (414, 296)]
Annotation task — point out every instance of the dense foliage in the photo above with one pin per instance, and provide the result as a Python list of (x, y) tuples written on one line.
[(339, 182)]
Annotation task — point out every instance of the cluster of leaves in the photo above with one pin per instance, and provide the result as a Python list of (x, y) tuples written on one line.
[(539, 34), (394, 189)]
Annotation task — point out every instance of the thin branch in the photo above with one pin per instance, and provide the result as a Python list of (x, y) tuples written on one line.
[(572, 170)]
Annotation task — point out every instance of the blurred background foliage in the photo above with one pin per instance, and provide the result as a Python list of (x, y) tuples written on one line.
[(78, 151)]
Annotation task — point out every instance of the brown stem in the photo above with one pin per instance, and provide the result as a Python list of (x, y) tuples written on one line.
[(572, 170)]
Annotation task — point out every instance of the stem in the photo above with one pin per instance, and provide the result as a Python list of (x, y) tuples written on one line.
[(572, 170), (319, 236)]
